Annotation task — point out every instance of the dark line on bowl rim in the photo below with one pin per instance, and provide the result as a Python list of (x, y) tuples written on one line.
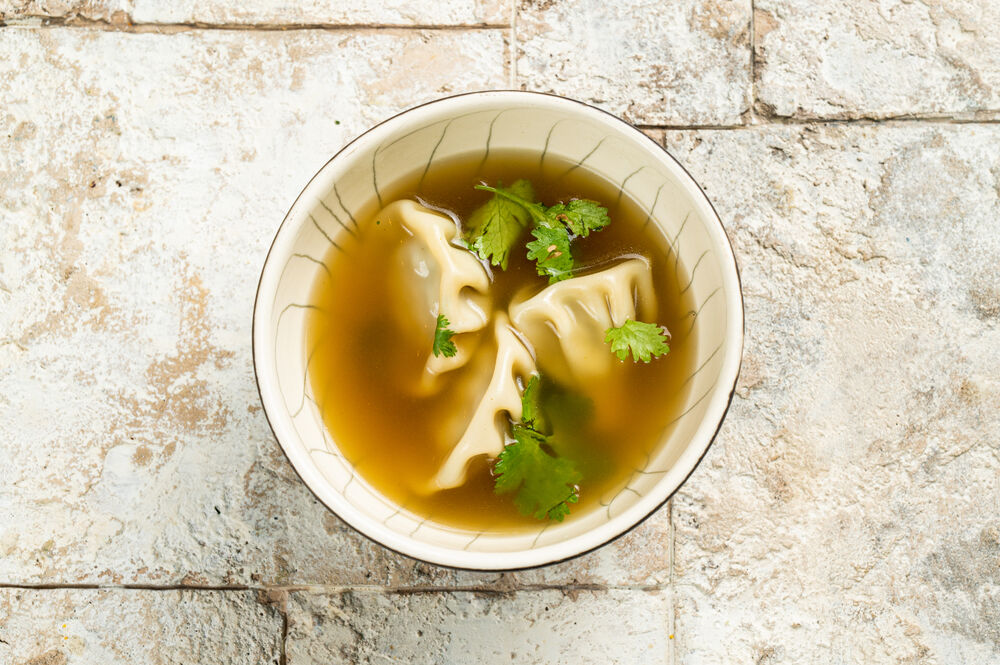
[(314, 260), (430, 160), (300, 306), (711, 441), (305, 382), (548, 138), (694, 314), (649, 215), (319, 228), (378, 194), (385, 146), (696, 264), (341, 202), (581, 162), (337, 217), (489, 139), (702, 366), (621, 190), (675, 243)]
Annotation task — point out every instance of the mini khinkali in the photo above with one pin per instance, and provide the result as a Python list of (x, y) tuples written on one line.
[(438, 277), (566, 321), (487, 429)]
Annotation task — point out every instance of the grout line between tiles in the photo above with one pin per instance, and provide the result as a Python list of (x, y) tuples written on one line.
[(672, 617), (283, 646), (187, 26), (513, 45), (84, 586), (331, 589), (752, 111), (990, 119)]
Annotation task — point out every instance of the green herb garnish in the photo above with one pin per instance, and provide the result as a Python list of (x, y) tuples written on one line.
[(581, 215), (644, 340), (531, 412), (495, 226), (550, 252), (545, 484), (553, 225), (443, 346)]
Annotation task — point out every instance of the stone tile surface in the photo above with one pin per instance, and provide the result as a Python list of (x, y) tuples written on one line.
[(269, 12), (640, 558), (138, 219), (849, 510), (70, 626), (95, 10), (878, 59), (556, 626), (651, 62), (141, 180), (356, 12)]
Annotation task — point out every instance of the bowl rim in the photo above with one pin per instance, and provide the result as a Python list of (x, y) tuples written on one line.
[(580, 544)]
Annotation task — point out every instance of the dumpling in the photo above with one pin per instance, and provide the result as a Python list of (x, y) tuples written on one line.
[(437, 277), (564, 325), (566, 321), (487, 429)]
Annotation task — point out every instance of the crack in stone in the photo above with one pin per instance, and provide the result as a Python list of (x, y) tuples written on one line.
[(125, 24)]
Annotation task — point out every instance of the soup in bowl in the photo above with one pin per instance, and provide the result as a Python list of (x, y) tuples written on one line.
[(498, 330)]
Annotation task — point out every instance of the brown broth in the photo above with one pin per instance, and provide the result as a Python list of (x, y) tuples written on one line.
[(363, 358)]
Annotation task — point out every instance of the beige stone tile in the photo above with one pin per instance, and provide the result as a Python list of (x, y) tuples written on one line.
[(849, 510), (142, 177), (554, 626), (96, 10), (270, 12), (877, 59), (59, 627), (356, 12), (641, 557), (129, 303), (650, 62)]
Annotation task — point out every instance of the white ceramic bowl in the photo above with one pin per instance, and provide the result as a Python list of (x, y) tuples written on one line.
[(350, 186)]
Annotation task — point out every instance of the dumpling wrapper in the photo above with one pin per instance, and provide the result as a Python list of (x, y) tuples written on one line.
[(563, 326), (566, 321), (437, 277), (486, 433)]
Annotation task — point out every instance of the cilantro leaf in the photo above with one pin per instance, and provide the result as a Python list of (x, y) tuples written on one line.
[(581, 216), (550, 251), (545, 485), (443, 346), (495, 226), (524, 200), (644, 340), (553, 224), (531, 414)]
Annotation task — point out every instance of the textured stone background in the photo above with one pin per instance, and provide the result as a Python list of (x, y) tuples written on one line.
[(849, 511)]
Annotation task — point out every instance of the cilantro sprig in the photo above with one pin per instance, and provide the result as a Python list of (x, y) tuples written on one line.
[(581, 215), (644, 340), (497, 225), (551, 254), (443, 346), (545, 484), (531, 406)]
